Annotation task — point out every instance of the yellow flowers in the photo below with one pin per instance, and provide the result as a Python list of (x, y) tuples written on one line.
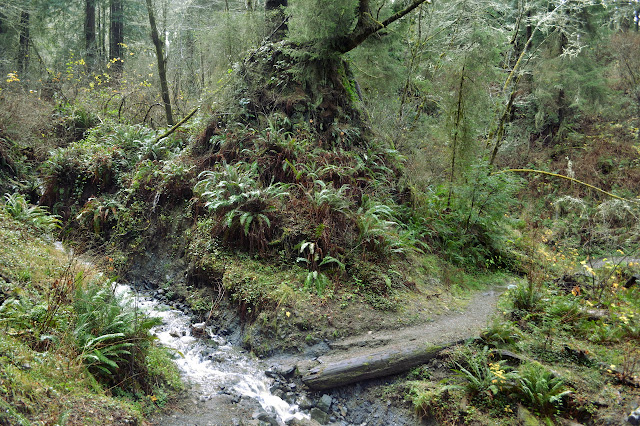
[(113, 61), (12, 76), (588, 268), (287, 313), (497, 371)]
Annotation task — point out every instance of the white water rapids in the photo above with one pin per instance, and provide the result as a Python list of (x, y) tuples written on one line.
[(210, 363)]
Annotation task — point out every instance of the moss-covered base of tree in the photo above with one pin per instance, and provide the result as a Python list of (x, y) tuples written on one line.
[(295, 87)]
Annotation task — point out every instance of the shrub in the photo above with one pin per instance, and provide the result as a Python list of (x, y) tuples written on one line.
[(112, 336), (17, 207), (234, 192), (540, 389), (470, 220), (481, 376)]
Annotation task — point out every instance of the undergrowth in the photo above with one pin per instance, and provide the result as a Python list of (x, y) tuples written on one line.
[(68, 341), (555, 349)]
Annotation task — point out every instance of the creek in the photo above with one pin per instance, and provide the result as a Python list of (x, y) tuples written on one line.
[(227, 386), (209, 363)]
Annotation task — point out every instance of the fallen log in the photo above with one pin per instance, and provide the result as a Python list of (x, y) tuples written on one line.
[(379, 363)]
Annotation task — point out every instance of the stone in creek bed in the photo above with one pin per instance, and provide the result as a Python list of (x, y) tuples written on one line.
[(198, 330), (304, 402), (301, 422), (634, 417), (325, 403), (266, 418), (271, 373), (319, 416), (290, 397)]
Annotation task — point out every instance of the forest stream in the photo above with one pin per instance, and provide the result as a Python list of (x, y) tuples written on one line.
[(227, 385)]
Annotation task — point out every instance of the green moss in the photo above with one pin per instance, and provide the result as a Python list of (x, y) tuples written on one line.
[(348, 81)]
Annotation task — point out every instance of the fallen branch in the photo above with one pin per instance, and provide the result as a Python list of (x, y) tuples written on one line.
[(178, 124), (542, 172), (383, 362)]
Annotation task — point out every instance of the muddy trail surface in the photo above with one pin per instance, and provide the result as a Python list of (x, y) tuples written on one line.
[(446, 328), (364, 402)]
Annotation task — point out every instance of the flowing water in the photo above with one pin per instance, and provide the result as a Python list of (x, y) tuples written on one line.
[(209, 362)]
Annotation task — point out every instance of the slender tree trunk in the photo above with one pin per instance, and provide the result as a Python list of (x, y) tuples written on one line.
[(162, 64), (24, 40), (90, 32), (3, 18), (191, 61), (116, 39), (456, 133), (103, 31)]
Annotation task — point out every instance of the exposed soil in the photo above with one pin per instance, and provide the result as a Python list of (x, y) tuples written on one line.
[(444, 329)]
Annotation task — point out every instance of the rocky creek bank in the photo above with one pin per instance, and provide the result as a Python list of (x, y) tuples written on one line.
[(364, 398)]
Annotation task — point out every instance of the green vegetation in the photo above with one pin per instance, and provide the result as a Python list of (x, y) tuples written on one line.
[(356, 164), (557, 349), (68, 344)]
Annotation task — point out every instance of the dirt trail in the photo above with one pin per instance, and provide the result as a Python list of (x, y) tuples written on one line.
[(444, 328)]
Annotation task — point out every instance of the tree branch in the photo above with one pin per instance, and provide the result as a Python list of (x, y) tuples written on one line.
[(174, 128), (403, 13), (542, 172), (367, 26)]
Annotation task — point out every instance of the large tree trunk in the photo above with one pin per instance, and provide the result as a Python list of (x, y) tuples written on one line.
[(162, 64), (116, 39), (90, 32), (311, 84), (315, 91)]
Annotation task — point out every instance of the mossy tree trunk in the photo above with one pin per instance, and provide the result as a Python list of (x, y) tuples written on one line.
[(311, 83)]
